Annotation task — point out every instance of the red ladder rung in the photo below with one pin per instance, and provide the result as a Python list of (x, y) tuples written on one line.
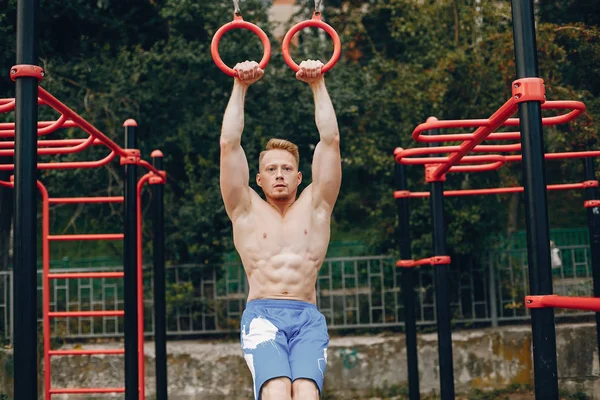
[(86, 390), (69, 314), (86, 275), (89, 236), (86, 352), (89, 200)]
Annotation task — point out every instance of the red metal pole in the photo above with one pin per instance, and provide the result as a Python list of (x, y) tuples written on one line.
[(46, 287), (554, 301), (78, 200), (140, 286), (87, 236)]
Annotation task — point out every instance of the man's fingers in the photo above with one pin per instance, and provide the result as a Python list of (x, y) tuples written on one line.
[(248, 70)]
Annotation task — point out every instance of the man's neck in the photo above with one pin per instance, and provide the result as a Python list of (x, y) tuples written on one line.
[(281, 205)]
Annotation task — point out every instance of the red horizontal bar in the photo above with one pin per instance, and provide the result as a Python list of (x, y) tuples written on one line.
[(77, 164), (554, 301), (460, 137), (405, 156), (400, 194), (86, 275), (486, 158), (576, 107), (75, 314), (41, 124), (476, 168), (559, 156), (7, 129), (52, 143), (67, 165), (86, 390), (7, 105), (435, 260), (78, 200), (86, 352), (421, 151), (592, 204), (91, 236)]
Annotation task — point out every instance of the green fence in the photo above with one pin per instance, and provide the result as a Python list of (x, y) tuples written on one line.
[(515, 243), (561, 237)]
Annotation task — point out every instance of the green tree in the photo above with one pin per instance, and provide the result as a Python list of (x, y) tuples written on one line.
[(403, 61)]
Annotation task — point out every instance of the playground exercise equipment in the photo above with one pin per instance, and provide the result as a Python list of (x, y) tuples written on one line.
[(239, 23), (314, 22), (528, 97), (433, 165), (29, 143), (130, 158)]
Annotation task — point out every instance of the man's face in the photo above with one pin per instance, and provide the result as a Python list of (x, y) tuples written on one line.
[(278, 175)]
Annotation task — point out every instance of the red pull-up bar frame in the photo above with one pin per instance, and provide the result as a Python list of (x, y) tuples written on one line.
[(523, 90), (70, 119)]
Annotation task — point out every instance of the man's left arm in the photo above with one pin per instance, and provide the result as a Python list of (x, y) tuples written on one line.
[(327, 165)]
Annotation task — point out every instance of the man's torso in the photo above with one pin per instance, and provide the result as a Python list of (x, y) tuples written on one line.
[(282, 254)]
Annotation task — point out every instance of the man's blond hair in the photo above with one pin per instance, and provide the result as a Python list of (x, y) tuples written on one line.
[(281, 144)]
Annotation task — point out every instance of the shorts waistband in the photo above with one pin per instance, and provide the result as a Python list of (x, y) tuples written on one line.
[(276, 303)]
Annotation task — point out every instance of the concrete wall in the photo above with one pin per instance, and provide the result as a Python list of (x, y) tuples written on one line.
[(357, 366)]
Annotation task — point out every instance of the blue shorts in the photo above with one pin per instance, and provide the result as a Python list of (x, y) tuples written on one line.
[(284, 338)]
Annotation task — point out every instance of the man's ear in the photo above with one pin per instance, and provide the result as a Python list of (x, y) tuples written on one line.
[(258, 180), (299, 178)]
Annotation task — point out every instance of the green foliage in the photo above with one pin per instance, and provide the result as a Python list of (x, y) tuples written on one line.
[(403, 61), (178, 295)]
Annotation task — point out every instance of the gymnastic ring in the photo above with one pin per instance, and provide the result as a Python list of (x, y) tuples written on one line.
[(315, 22), (239, 23)]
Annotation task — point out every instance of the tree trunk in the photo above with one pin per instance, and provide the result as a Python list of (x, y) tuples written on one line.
[(456, 24), (513, 213)]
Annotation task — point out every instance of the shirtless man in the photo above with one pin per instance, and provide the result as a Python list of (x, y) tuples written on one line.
[(282, 242)]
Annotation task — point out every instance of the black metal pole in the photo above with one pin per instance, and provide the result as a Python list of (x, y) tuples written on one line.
[(25, 239), (536, 206), (593, 215), (130, 270), (160, 311), (442, 292), (408, 285)]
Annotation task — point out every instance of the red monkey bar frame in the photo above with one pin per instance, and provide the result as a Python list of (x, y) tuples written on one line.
[(523, 90), (436, 168), (70, 119)]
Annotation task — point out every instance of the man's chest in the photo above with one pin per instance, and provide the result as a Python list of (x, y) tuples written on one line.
[(299, 230)]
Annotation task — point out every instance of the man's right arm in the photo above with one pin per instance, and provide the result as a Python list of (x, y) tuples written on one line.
[(235, 174)]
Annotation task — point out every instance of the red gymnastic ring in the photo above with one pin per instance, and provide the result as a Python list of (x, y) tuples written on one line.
[(315, 22), (239, 23)]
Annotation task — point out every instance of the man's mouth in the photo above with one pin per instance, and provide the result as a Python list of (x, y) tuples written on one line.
[(279, 185)]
